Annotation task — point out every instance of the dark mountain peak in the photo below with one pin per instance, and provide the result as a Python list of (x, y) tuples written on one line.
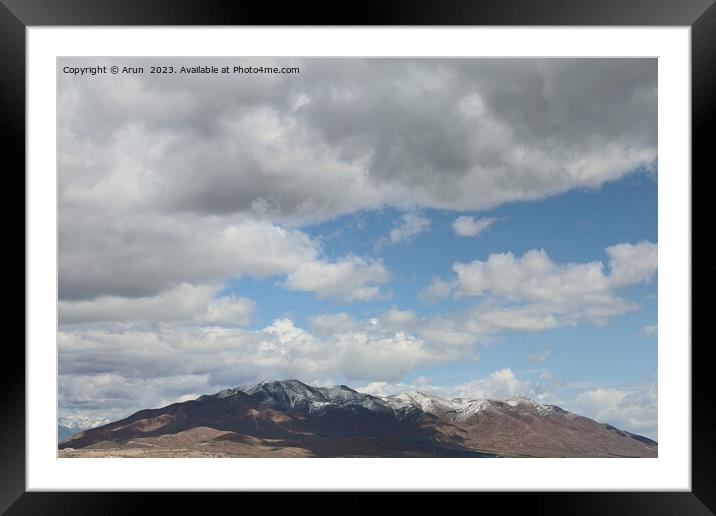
[(284, 394), (290, 383), (267, 386)]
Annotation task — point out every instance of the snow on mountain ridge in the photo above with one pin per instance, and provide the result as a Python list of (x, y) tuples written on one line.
[(81, 422), (294, 394), (463, 407)]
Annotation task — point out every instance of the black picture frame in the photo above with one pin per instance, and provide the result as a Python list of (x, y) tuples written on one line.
[(17, 15)]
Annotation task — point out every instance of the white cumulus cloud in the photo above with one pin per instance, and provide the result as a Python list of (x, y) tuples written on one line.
[(650, 330), (412, 224), (499, 384), (349, 279), (633, 407), (467, 226), (632, 263), (532, 292)]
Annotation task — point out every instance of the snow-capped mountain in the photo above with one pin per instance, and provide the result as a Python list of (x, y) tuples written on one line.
[(70, 425), (295, 395), (81, 422), (460, 409), (298, 396), (292, 418), (521, 426)]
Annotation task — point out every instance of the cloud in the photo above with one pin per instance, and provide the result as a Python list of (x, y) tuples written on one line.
[(632, 264), (185, 303), (438, 288), (390, 356), (196, 180), (444, 134), (227, 311), (412, 225), (499, 384), (532, 292), (632, 407), (95, 398), (650, 330), (467, 226), (349, 279), (396, 318), (140, 255), (148, 256), (532, 277), (540, 356), (328, 323)]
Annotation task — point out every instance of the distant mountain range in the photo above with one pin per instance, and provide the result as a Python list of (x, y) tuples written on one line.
[(292, 419), (70, 425), (63, 432)]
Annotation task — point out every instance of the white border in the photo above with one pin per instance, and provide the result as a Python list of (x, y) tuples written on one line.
[(671, 471)]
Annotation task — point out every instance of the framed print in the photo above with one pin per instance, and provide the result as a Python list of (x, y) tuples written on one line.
[(447, 248)]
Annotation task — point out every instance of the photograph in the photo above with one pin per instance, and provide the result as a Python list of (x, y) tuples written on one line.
[(359, 257)]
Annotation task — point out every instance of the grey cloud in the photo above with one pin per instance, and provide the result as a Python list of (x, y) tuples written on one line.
[(154, 168), (113, 396), (371, 123), (136, 255), (185, 304)]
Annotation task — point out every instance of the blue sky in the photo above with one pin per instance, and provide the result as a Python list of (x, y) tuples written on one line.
[(465, 227), (573, 227)]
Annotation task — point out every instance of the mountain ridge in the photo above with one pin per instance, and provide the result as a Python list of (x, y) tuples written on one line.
[(274, 417)]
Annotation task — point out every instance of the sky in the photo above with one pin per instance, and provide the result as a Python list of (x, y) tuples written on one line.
[(462, 227)]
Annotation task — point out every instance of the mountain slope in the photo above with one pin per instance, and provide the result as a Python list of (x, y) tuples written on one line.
[(291, 418), (519, 426)]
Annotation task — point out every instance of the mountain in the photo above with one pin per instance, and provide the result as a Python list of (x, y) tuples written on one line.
[(70, 425), (519, 426), (63, 432), (292, 419)]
